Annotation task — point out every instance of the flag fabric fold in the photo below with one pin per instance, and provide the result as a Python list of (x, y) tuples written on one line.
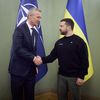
[(74, 10), (24, 7)]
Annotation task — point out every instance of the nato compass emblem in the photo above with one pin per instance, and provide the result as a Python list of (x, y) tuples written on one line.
[(23, 11)]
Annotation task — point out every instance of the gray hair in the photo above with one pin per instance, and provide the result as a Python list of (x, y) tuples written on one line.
[(32, 11)]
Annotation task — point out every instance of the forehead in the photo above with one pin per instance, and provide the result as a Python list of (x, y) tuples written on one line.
[(37, 13), (63, 23)]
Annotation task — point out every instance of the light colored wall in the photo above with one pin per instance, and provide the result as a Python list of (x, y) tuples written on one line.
[(52, 12), (8, 13)]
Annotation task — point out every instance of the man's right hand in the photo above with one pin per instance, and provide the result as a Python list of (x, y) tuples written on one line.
[(37, 60)]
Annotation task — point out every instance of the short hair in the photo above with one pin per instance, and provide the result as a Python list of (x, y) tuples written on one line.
[(32, 10), (69, 22)]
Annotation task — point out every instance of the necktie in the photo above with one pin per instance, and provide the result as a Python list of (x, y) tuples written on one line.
[(34, 41), (34, 38)]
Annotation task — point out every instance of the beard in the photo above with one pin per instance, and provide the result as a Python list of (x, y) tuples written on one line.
[(63, 32)]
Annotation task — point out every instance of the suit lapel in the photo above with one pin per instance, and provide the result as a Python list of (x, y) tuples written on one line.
[(27, 34), (27, 31)]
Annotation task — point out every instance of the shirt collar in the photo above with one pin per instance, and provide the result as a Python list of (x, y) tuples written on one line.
[(30, 27)]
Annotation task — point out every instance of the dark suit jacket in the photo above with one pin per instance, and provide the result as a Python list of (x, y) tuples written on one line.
[(22, 53)]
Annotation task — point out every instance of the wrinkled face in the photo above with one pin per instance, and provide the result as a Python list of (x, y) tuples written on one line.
[(64, 28), (35, 18)]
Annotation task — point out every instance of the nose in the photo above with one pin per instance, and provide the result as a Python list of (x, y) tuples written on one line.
[(39, 20), (59, 28)]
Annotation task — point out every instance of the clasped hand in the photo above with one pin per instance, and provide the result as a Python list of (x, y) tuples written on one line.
[(37, 60)]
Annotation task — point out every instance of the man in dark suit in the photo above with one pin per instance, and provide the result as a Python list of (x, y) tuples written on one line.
[(22, 66)]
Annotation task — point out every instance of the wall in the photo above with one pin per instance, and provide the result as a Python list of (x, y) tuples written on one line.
[(8, 13), (52, 12)]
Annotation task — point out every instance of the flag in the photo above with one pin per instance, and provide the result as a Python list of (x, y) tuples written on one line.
[(74, 10), (24, 7)]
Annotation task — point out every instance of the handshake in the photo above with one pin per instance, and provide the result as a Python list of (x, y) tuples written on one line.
[(37, 60)]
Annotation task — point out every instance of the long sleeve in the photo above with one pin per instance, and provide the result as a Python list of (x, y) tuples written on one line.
[(51, 57), (83, 54)]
